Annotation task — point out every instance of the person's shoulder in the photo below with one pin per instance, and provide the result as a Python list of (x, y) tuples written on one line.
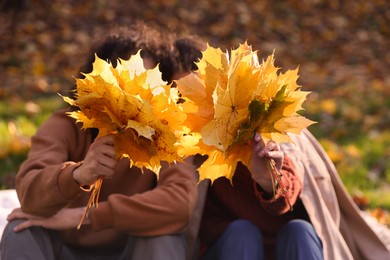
[(62, 115), (63, 112), (59, 121)]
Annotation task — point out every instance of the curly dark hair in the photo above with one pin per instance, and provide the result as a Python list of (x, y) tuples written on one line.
[(174, 54)]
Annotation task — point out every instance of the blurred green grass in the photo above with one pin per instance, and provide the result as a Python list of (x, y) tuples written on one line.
[(20, 120), (363, 167), (353, 128)]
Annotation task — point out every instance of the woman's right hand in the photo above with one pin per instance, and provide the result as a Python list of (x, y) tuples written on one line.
[(99, 162)]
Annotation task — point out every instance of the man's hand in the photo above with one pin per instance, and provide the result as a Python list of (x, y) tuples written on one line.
[(259, 163), (99, 162), (64, 219)]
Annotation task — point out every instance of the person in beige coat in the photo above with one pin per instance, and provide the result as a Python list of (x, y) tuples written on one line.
[(344, 231)]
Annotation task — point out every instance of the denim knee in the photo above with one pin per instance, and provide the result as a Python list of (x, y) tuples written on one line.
[(298, 240), (296, 227), (244, 230), (241, 240)]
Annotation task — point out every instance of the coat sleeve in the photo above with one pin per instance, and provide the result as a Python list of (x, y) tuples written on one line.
[(280, 203), (165, 209), (44, 182)]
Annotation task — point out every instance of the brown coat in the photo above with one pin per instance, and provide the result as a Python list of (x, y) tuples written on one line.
[(130, 203), (344, 232)]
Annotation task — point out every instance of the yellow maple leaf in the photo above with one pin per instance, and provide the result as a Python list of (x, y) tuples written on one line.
[(230, 98)]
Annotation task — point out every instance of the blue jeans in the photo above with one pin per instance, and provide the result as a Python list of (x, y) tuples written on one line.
[(242, 240)]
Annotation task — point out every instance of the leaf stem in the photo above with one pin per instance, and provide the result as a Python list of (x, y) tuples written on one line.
[(276, 177), (93, 200)]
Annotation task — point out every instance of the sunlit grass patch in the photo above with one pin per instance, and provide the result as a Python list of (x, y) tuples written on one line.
[(19, 121), (379, 197), (364, 166)]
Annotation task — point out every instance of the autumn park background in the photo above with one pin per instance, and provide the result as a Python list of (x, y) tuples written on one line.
[(341, 48)]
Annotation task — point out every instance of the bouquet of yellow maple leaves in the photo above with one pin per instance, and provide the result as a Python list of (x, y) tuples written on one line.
[(138, 107), (232, 97), (135, 105)]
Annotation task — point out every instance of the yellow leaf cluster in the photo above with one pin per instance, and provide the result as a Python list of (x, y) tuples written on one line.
[(138, 107), (231, 97)]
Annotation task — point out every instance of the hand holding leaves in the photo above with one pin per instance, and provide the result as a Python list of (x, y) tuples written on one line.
[(259, 164), (98, 163)]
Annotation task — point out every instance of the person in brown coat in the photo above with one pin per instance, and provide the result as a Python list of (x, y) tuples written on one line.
[(138, 215)]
